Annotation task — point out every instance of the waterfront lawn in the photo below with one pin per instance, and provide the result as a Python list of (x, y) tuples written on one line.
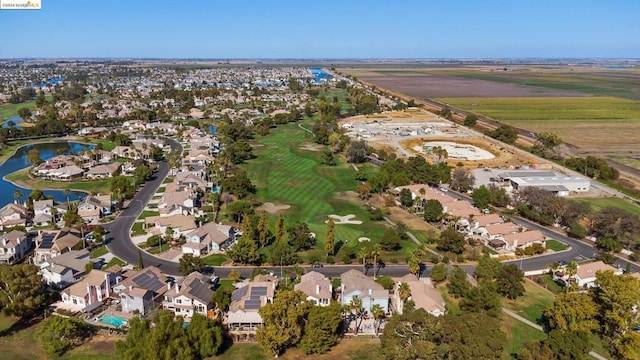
[(22, 179), (8, 111), (285, 173), (532, 304), (556, 245), (215, 259), (597, 204), (106, 144)]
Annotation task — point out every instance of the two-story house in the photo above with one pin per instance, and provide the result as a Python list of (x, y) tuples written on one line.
[(177, 200), (43, 212), (423, 295), (66, 269), (209, 238), (243, 311), (180, 224), (354, 284), (93, 207), (317, 287), (89, 292), (51, 243), (14, 246), (13, 215), (142, 290), (191, 296)]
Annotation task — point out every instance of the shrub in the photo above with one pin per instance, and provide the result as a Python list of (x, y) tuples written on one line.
[(460, 258), (330, 260)]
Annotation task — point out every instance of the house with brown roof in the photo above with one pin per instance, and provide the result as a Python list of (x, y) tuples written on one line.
[(14, 246), (493, 231), (177, 199), (246, 301), (586, 274), (13, 215), (43, 212), (523, 239), (209, 238), (181, 224), (66, 269), (423, 295), (103, 171), (50, 243), (317, 287), (142, 290), (94, 207), (89, 292), (354, 284), (189, 297)]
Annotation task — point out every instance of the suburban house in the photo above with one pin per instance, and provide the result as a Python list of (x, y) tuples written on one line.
[(66, 173), (245, 302), (103, 171), (66, 269), (179, 201), (209, 238), (13, 215), (89, 293), (93, 207), (493, 231), (50, 244), (586, 274), (317, 287), (14, 246), (180, 224), (354, 284), (121, 151), (141, 290), (191, 179), (423, 295), (191, 296), (43, 212), (523, 239)]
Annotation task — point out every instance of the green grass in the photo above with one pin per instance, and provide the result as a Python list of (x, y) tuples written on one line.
[(551, 285), (161, 190), (106, 144), (21, 178), (215, 259), (115, 261), (597, 204), (8, 111), (102, 250), (241, 351), (156, 250), (451, 304), (285, 174), (532, 304), (148, 213), (345, 349), (137, 229), (556, 245), (518, 335), (167, 180)]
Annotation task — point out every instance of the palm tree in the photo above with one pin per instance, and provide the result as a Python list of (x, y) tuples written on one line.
[(363, 253), (375, 251), (356, 305), (404, 292), (378, 314), (572, 270), (17, 195), (67, 191)]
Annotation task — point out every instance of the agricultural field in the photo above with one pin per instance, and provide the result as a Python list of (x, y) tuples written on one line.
[(597, 204), (614, 122), (288, 171)]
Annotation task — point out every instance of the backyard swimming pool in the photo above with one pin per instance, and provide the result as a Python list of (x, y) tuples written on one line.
[(113, 320)]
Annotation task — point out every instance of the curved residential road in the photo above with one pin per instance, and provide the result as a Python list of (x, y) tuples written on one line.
[(119, 239)]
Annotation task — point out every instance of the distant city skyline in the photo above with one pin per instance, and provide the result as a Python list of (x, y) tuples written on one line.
[(331, 29)]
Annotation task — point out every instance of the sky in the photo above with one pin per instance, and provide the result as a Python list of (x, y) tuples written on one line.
[(329, 29)]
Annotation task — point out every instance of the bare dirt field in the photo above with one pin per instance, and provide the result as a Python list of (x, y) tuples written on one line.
[(430, 86)]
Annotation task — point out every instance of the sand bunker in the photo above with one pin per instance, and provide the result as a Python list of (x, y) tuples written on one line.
[(272, 208), (363, 239), (456, 151), (344, 219), (311, 146)]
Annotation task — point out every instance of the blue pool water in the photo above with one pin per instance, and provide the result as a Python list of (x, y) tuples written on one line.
[(16, 120), (112, 320)]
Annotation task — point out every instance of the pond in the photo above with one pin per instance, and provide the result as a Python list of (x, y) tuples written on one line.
[(19, 161)]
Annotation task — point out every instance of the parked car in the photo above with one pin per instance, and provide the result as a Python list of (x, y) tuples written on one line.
[(316, 265)]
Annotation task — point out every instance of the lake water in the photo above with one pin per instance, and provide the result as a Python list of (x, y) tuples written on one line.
[(19, 161), (16, 120), (320, 75)]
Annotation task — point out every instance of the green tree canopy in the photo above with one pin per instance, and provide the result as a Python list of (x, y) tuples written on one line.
[(190, 263), (322, 330), (284, 321), (20, 290)]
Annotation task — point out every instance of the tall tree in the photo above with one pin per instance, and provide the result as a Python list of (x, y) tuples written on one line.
[(378, 314), (330, 238), (511, 282), (439, 272), (322, 330), (189, 263), (279, 228), (433, 210), (616, 298), (458, 284), (264, 234), (284, 321), (464, 341), (572, 312), (205, 336), (20, 290), (451, 241), (140, 263), (244, 251), (481, 197), (58, 334)]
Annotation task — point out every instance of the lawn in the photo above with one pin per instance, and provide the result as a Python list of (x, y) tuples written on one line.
[(532, 305), (551, 285), (518, 335), (346, 349), (167, 180), (113, 262), (215, 259), (157, 250), (161, 190), (22, 179), (137, 229), (284, 173), (148, 213), (102, 250), (8, 111), (597, 204), (614, 122), (556, 245)]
